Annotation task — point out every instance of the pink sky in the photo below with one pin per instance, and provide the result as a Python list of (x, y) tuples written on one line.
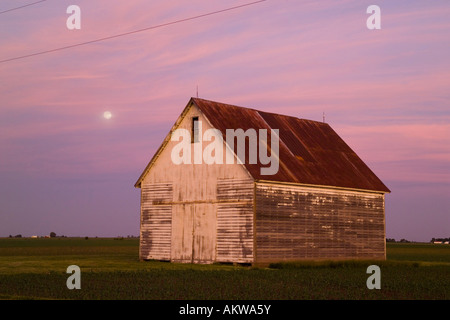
[(64, 168)]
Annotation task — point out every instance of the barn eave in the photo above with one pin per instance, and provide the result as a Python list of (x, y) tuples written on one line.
[(320, 186)]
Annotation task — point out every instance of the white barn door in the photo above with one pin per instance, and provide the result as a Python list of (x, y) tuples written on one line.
[(193, 233)]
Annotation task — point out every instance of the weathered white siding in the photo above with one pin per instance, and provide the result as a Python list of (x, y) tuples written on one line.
[(156, 221), (295, 222), (196, 208), (235, 221)]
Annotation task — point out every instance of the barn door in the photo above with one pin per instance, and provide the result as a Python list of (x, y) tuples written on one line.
[(193, 234), (203, 232)]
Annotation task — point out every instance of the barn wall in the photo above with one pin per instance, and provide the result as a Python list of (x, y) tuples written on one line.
[(293, 222), (199, 207), (156, 221), (235, 220)]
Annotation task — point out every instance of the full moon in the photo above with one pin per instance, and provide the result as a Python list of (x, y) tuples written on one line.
[(107, 115)]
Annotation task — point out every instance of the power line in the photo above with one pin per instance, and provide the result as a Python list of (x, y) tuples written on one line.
[(24, 6), (131, 32)]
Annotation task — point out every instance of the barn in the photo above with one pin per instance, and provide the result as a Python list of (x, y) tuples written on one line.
[(319, 201)]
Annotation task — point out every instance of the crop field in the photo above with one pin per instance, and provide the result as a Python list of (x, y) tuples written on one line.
[(110, 269)]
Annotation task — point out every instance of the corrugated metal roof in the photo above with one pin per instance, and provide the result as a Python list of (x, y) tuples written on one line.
[(310, 152)]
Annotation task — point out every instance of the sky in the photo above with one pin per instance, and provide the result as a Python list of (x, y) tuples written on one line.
[(65, 168)]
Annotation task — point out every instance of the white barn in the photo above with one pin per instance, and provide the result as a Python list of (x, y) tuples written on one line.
[(322, 203)]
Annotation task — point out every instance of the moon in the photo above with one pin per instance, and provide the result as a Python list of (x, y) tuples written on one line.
[(107, 115)]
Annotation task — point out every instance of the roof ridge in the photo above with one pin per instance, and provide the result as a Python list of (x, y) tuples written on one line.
[(257, 110)]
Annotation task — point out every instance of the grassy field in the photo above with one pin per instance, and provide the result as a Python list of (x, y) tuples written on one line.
[(110, 269)]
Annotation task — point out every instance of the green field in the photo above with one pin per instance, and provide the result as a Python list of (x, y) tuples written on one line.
[(110, 269)]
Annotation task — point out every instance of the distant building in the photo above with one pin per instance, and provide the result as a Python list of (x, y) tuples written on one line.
[(323, 202)]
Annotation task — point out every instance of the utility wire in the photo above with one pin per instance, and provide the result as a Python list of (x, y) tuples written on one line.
[(131, 32), (26, 5)]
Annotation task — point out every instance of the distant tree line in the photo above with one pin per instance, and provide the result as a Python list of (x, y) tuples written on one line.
[(440, 239), (51, 235), (393, 240), (432, 240), (54, 235)]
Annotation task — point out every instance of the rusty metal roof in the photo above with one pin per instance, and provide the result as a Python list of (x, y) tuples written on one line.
[(310, 152)]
